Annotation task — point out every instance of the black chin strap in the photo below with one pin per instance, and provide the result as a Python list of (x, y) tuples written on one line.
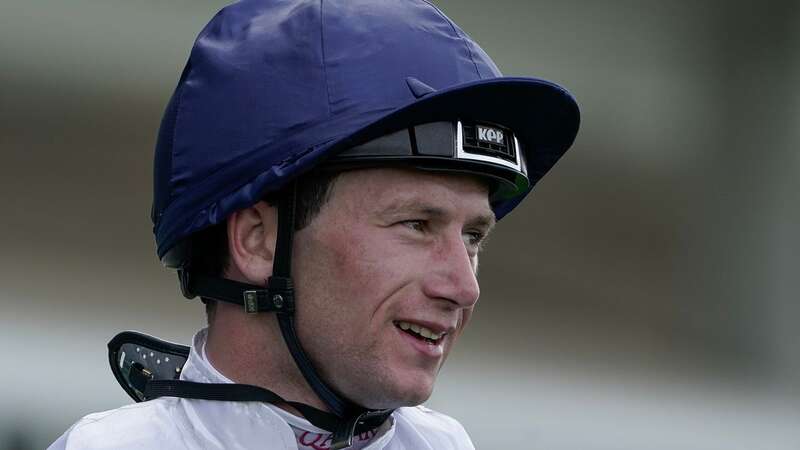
[(343, 429), (278, 296), (281, 275)]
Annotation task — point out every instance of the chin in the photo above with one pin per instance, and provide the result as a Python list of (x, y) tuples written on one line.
[(409, 393)]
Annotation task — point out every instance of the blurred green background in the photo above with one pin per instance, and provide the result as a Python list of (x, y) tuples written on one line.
[(644, 297)]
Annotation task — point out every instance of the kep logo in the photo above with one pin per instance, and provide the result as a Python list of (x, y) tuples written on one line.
[(490, 135)]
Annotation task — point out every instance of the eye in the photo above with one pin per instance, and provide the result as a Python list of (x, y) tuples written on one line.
[(416, 224), (474, 239)]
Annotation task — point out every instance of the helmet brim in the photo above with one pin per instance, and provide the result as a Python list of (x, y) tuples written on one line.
[(543, 116)]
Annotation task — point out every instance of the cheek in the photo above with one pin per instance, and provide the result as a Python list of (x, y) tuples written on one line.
[(369, 261), (355, 273), (343, 275), (353, 266), (462, 323), (466, 314)]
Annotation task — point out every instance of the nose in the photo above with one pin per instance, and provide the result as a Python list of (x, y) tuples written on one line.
[(451, 275)]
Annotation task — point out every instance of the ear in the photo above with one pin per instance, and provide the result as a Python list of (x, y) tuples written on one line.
[(251, 242)]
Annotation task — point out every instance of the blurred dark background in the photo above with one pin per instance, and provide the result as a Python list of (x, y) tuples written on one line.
[(644, 297)]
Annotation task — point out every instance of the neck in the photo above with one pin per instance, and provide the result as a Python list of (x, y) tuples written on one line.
[(249, 349)]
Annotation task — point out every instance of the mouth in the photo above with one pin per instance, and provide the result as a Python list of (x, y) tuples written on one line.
[(421, 333)]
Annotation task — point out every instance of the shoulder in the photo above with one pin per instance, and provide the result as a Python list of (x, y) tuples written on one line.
[(439, 430), (177, 423), (150, 424)]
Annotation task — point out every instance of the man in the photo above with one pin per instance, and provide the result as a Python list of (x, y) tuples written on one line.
[(325, 174)]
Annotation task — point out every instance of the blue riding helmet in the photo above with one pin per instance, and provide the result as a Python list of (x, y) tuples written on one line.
[(274, 88)]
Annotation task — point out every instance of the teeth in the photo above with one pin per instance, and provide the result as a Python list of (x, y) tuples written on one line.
[(422, 331)]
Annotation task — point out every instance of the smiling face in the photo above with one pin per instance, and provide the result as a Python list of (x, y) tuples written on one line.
[(385, 279)]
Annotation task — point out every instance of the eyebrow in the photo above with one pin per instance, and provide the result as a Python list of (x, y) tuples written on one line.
[(485, 220)]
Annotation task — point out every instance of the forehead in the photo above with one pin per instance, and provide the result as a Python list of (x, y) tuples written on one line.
[(372, 190)]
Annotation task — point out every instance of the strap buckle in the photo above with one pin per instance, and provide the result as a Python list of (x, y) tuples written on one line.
[(253, 299), (278, 296), (343, 435)]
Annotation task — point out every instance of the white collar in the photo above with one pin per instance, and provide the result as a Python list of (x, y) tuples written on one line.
[(199, 369)]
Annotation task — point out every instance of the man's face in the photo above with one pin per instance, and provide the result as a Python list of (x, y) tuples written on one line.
[(390, 249)]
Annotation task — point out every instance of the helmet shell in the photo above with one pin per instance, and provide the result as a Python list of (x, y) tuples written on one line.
[(273, 87)]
